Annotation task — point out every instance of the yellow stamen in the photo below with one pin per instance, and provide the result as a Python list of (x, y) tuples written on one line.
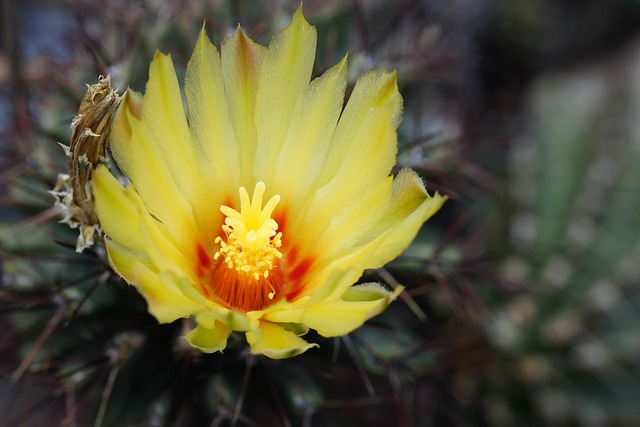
[(252, 240)]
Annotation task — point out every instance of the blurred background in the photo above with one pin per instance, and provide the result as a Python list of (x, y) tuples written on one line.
[(523, 294)]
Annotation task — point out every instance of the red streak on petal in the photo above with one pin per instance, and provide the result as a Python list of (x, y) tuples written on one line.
[(203, 267), (300, 270), (204, 261), (292, 255), (228, 201), (296, 278), (246, 58), (281, 218)]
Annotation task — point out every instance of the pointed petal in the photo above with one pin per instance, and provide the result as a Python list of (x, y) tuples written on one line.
[(406, 211), (130, 110), (312, 127), (410, 206), (359, 221), (398, 218), (366, 130), (354, 179), (164, 120), (241, 59), (209, 340), (275, 342), (359, 303), (285, 73), (125, 219), (137, 156), (118, 212), (210, 123), (165, 298)]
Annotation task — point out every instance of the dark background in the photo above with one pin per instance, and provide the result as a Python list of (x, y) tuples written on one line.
[(523, 296)]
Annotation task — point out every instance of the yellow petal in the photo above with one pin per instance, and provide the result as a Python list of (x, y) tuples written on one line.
[(124, 218), (275, 342), (366, 130), (118, 212), (360, 243), (164, 120), (130, 110), (210, 124), (400, 230), (234, 320), (136, 154), (407, 205), (209, 340), (241, 59), (354, 179), (285, 73), (359, 303), (302, 154), (359, 221), (410, 206), (162, 290)]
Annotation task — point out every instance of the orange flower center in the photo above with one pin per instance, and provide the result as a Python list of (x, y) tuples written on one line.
[(247, 274)]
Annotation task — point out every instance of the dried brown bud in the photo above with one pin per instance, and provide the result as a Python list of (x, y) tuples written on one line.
[(91, 129)]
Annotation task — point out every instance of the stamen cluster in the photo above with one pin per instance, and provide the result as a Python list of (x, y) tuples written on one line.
[(252, 242)]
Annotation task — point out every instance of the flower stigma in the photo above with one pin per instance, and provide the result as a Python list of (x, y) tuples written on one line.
[(252, 240)]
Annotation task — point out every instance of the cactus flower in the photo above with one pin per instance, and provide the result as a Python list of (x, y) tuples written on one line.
[(258, 209)]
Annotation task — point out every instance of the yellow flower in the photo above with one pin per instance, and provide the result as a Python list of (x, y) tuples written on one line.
[(259, 212)]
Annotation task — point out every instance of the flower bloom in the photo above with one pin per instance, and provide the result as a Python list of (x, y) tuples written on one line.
[(261, 210)]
